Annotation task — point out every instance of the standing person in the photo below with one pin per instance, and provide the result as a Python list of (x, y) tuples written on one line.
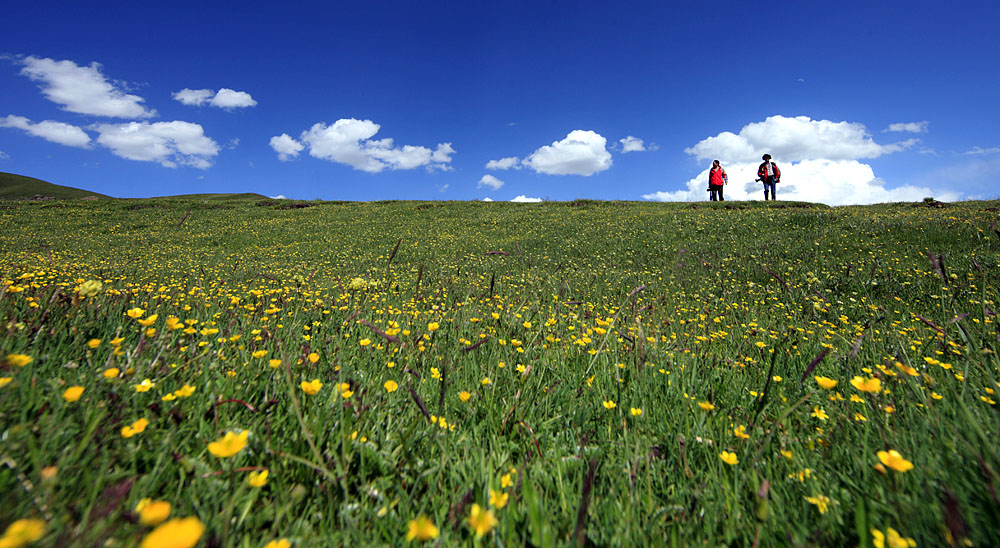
[(716, 178), (769, 174)]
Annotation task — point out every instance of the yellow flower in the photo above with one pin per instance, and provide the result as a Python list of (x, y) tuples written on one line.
[(111, 372), (505, 481), (433, 326), (149, 321), (311, 388), (313, 357), (894, 460), (895, 539), (144, 386), (279, 543), (184, 391), (72, 393), (871, 385), (22, 532), (826, 382), (365, 342), (485, 381), (229, 445), (729, 458), (152, 512), (636, 411), (391, 386), (19, 360), (706, 405), (760, 344), (741, 432), (94, 343), (787, 454), (258, 479), (135, 313), (4, 381), (609, 404), (481, 521), (259, 353), (176, 533), (117, 341), (346, 394), (819, 414), (822, 503), (464, 396), (421, 528), (498, 499), (135, 428)]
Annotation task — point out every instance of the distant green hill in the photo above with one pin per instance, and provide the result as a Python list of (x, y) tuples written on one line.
[(19, 187)]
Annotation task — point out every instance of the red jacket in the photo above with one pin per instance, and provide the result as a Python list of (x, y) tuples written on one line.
[(762, 171), (717, 177)]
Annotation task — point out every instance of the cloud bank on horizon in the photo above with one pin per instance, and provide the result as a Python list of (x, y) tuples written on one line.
[(819, 162)]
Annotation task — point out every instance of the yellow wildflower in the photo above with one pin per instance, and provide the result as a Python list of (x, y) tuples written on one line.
[(311, 388), (498, 499), (391, 386), (72, 393), (22, 532), (481, 521), (826, 382), (19, 360), (894, 460), (421, 528), (94, 343), (464, 396), (258, 479), (176, 533), (229, 445), (707, 406), (870, 385), (152, 512), (729, 458)]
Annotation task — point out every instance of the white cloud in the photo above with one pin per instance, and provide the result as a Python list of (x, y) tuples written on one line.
[(522, 199), (83, 90), (56, 132), (580, 153), (490, 181), (348, 141), (193, 97), (832, 182), (4, 155), (225, 98), (487, 199), (278, 197), (908, 127), (286, 147), (504, 163), (168, 143), (975, 151), (632, 144), (793, 140), (819, 162)]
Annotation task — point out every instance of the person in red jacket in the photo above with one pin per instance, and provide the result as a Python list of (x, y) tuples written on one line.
[(716, 178), (769, 174)]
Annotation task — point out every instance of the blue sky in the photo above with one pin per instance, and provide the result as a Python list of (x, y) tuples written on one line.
[(561, 100)]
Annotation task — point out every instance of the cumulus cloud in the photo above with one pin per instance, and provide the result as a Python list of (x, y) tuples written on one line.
[(286, 147), (169, 144), (349, 141), (908, 127), (487, 199), (56, 132), (490, 182), (522, 199), (632, 144), (83, 90), (224, 98), (504, 163), (832, 182), (819, 161), (793, 140), (278, 197), (582, 152)]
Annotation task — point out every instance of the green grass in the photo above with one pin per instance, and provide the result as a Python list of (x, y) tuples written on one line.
[(658, 307), (18, 187)]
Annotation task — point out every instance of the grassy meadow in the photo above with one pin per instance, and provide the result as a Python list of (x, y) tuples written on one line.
[(277, 373)]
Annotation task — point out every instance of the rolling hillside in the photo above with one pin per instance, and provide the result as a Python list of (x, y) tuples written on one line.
[(19, 187)]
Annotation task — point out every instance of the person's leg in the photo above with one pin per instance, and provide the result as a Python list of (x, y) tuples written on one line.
[(721, 197), (766, 194), (774, 190)]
